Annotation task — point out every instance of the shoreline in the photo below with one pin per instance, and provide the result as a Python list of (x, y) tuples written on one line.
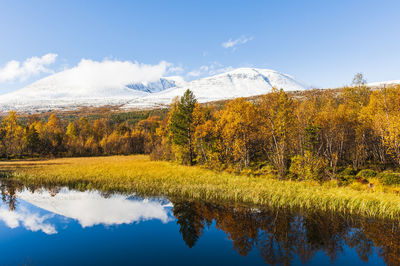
[(137, 173)]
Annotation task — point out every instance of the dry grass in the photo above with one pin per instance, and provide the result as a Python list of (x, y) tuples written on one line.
[(138, 173)]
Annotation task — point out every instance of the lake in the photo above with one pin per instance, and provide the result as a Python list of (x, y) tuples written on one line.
[(58, 226)]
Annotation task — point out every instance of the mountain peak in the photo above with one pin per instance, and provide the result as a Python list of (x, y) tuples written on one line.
[(62, 91)]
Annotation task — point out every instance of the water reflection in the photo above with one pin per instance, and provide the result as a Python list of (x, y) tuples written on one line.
[(89, 208), (278, 236), (32, 221)]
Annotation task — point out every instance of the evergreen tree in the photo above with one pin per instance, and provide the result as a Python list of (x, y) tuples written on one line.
[(182, 128)]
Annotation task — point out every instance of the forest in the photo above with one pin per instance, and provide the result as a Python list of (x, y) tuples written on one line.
[(314, 135)]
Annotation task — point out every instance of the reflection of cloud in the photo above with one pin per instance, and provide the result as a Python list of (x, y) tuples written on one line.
[(31, 221), (90, 208)]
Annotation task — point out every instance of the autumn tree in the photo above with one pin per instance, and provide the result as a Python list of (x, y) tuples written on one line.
[(12, 135), (384, 112), (147, 128), (353, 100), (54, 134), (206, 137), (32, 140), (238, 123), (278, 128)]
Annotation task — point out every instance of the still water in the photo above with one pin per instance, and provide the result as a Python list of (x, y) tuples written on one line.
[(59, 226)]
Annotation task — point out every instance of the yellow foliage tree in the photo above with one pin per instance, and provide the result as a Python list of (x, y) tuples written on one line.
[(237, 124)]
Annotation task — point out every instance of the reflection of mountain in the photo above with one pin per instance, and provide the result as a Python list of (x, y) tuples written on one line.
[(91, 208)]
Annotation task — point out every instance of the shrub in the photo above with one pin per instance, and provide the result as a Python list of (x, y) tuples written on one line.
[(259, 169), (348, 172), (265, 170), (390, 178), (346, 178), (366, 173), (308, 167)]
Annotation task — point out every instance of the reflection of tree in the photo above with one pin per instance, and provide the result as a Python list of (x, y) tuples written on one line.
[(280, 236), (241, 230), (191, 223), (8, 189), (358, 240), (385, 236), (325, 232)]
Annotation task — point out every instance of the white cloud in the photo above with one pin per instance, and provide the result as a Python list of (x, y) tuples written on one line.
[(194, 73), (176, 70), (234, 43), (89, 78), (113, 73), (31, 221), (97, 79), (89, 74), (212, 69), (15, 70)]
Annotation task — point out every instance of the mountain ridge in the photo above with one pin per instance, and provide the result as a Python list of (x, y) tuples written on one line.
[(58, 92)]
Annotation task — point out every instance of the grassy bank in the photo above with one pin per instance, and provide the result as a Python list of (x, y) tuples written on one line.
[(138, 173)]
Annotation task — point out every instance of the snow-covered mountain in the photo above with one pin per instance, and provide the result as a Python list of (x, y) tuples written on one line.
[(60, 91), (159, 85), (241, 82), (383, 84)]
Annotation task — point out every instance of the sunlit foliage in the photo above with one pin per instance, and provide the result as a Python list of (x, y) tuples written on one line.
[(315, 134)]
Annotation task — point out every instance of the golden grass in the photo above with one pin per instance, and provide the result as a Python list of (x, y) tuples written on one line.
[(138, 173)]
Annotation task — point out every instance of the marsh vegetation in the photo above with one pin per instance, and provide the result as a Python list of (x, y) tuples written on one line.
[(139, 174)]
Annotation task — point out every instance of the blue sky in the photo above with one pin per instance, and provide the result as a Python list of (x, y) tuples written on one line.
[(322, 43)]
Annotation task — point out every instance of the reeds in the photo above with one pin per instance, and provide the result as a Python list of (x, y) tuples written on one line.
[(137, 173)]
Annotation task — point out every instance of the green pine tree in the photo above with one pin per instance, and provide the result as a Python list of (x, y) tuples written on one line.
[(181, 126)]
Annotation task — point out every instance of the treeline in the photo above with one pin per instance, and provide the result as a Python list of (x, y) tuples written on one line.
[(114, 134), (313, 135)]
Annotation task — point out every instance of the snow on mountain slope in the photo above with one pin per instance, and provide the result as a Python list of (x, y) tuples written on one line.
[(53, 93), (63, 90), (58, 86), (241, 82), (159, 85), (383, 84)]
